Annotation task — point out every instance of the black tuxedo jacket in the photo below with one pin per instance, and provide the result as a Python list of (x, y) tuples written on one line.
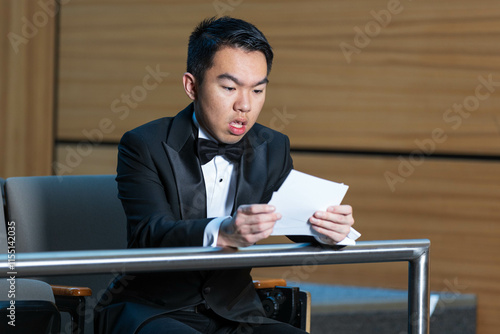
[(161, 186)]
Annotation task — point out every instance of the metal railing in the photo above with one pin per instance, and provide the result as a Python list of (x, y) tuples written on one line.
[(416, 252)]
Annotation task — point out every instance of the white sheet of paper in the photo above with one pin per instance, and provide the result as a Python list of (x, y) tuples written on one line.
[(299, 197)]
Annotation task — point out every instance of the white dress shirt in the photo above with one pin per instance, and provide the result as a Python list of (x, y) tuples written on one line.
[(220, 185)]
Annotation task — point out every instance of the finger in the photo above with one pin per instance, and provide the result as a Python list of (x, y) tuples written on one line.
[(340, 209), (251, 224), (262, 221), (248, 239), (330, 218), (253, 209), (334, 236), (345, 219), (251, 239), (330, 224), (262, 228)]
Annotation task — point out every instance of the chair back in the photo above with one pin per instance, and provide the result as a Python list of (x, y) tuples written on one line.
[(2, 191), (59, 213), (34, 299)]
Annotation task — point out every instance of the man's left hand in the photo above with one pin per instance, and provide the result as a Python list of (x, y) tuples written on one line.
[(334, 223)]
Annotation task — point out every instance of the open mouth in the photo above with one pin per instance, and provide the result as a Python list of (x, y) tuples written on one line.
[(236, 124), (237, 127)]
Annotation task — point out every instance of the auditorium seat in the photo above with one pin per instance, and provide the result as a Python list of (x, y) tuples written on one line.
[(34, 310), (33, 299), (2, 191), (58, 213)]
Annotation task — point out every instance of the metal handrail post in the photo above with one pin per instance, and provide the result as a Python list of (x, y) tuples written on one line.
[(418, 294)]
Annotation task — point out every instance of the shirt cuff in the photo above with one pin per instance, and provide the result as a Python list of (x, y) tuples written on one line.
[(349, 240), (212, 232)]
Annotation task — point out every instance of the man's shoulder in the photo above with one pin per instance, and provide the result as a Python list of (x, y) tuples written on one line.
[(261, 133), (152, 131), (153, 126), (161, 126)]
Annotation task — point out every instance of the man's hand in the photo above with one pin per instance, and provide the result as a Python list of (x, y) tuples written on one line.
[(334, 223), (250, 224)]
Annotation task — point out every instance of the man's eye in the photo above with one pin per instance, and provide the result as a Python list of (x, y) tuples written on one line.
[(258, 91), (229, 88)]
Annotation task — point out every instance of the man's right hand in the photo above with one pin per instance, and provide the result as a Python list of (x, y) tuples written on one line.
[(251, 223)]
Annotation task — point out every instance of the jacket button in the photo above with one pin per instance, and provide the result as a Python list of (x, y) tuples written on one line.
[(206, 290)]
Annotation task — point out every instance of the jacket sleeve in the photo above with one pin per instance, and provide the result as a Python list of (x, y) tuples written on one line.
[(153, 219)]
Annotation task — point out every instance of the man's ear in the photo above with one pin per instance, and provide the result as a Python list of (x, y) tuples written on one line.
[(189, 83)]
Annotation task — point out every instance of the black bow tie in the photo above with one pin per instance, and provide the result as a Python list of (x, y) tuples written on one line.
[(208, 149)]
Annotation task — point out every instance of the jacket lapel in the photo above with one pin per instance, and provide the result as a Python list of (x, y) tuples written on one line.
[(252, 172), (181, 151)]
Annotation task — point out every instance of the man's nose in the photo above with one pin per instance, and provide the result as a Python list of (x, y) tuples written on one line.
[(243, 102)]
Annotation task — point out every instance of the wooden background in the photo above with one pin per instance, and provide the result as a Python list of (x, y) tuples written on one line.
[(27, 69), (406, 120)]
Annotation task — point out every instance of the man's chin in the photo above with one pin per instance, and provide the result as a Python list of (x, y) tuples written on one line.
[(232, 139)]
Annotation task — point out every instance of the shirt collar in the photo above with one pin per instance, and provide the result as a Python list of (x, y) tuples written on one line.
[(201, 132)]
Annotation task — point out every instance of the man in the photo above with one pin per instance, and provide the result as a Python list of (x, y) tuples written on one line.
[(177, 193)]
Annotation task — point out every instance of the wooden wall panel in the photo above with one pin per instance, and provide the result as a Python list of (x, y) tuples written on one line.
[(454, 203), (76, 159), (26, 88), (107, 51), (397, 89)]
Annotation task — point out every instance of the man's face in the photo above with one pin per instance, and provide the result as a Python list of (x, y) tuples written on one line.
[(231, 96)]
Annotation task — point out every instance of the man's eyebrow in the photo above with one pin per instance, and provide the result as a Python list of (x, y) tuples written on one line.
[(239, 83)]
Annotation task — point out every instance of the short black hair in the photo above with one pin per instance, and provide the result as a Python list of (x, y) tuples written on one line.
[(215, 33)]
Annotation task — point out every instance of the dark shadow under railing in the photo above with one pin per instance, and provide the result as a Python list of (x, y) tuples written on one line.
[(416, 252)]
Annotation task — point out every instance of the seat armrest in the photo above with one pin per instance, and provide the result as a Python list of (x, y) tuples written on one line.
[(268, 283), (71, 291), (71, 299)]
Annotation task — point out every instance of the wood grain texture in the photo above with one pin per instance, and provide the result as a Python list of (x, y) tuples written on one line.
[(454, 203), (82, 159), (401, 85), (26, 89)]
